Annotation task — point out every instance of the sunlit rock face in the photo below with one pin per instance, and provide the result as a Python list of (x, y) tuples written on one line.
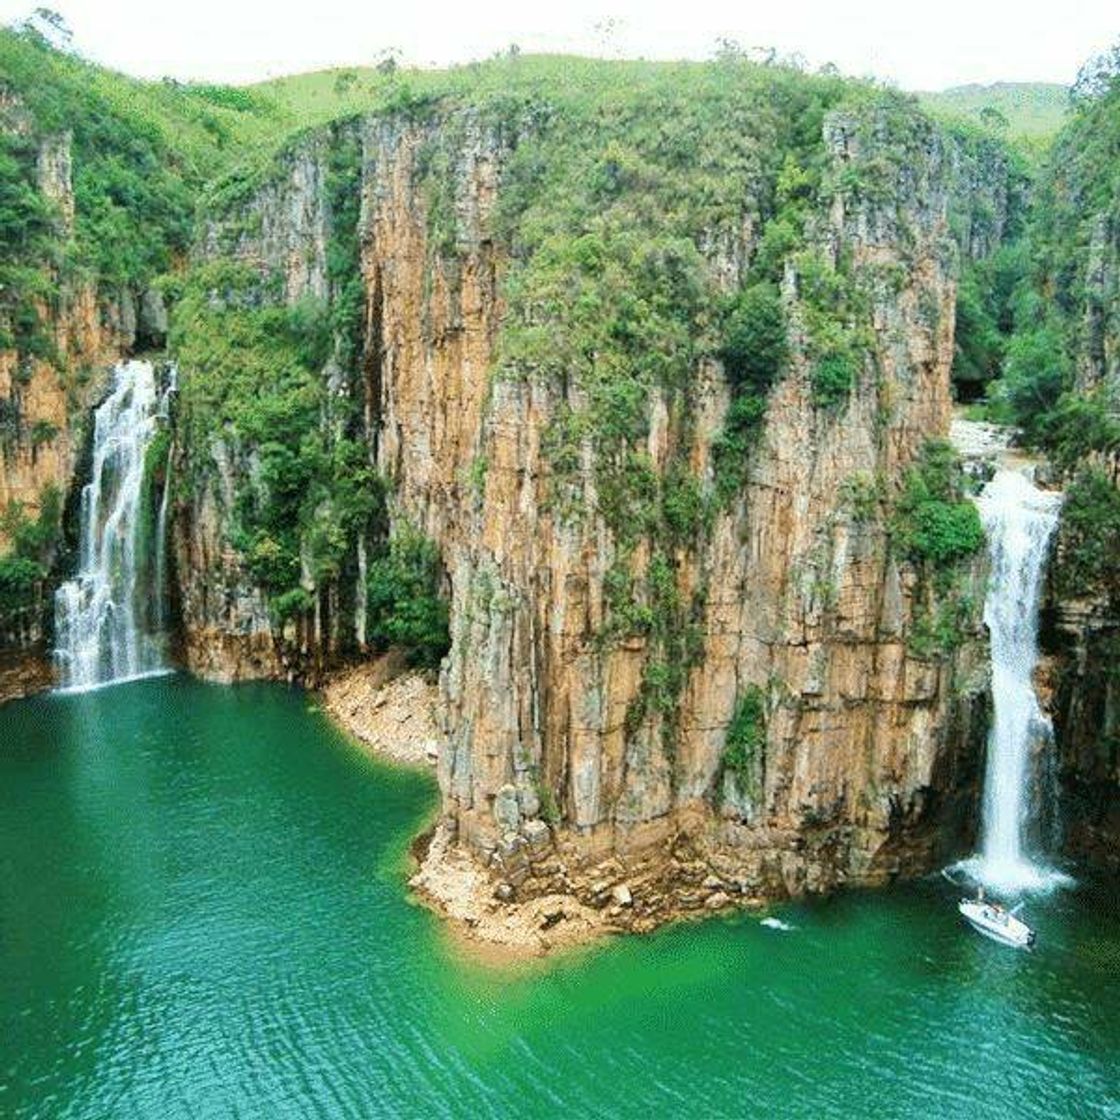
[(872, 754), (45, 399)]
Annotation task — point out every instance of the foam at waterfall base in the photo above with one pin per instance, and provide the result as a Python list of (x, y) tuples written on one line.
[(1011, 877), (81, 689)]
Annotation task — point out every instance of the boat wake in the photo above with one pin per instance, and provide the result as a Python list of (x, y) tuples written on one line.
[(777, 923)]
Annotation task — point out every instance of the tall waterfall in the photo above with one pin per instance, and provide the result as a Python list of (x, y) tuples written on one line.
[(108, 619), (1019, 519)]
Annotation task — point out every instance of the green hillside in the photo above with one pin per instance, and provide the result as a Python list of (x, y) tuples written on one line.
[(1034, 111)]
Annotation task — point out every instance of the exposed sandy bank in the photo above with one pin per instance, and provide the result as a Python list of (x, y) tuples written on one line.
[(389, 710)]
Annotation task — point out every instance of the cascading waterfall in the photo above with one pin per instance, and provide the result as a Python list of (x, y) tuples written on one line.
[(108, 619), (161, 589), (1019, 520)]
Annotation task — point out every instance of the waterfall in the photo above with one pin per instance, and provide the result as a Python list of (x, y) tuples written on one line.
[(1019, 520), (107, 619), (161, 552), (161, 589)]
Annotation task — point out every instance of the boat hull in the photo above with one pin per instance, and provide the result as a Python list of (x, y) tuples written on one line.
[(1001, 927)]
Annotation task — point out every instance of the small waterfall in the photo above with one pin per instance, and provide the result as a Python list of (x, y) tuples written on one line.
[(107, 619), (1019, 520), (164, 415), (161, 552)]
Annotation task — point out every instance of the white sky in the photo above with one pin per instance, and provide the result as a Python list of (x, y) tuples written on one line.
[(918, 45)]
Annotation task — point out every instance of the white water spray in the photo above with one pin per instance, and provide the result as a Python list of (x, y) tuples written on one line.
[(107, 619), (1019, 520)]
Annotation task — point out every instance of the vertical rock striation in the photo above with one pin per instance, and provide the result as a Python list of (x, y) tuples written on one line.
[(868, 757), (45, 393), (1082, 615), (800, 597)]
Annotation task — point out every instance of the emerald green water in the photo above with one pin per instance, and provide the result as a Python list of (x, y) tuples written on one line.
[(203, 914)]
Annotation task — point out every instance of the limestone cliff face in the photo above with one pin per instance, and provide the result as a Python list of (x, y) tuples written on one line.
[(870, 760), (1081, 638), (866, 745), (422, 355), (1098, 361), (989, 201), (1082, 632), (36, 449), (44, 401), (227, 633)]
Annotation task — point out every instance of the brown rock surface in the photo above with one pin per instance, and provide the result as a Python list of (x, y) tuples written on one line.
[(870, 766), (388, 709)]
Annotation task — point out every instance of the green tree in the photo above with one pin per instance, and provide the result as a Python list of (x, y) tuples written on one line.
[(755, 349), (404, 604)]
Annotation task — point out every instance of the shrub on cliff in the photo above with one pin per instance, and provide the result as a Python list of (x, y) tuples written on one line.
[(934, 522), (28, 242), (34, 538), (832, 378), (19, 579), (732, 448), (1090, 537), (1036, 373), (745, 744), (404, 604), (33, 541), (754, 349)]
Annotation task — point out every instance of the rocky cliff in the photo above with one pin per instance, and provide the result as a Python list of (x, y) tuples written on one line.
[(791, 591), (724, 674), (1068, 402), (98, 179), (646, 374), (48, 382), (280, 235)]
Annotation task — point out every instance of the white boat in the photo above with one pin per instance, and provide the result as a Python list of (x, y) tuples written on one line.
[(992, 920)]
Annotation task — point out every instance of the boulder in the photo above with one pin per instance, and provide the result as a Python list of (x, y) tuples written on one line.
[(538, 837), (507, 811), (529, 801)]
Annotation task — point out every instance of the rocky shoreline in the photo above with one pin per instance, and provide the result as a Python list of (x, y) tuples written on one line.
[(563, 898), (389, 711), (538, 893), (24, 673)]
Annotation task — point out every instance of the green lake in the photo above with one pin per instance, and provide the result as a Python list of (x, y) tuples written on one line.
[(203, 913)]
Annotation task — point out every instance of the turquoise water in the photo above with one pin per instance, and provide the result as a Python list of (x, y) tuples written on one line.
[(203, 914)]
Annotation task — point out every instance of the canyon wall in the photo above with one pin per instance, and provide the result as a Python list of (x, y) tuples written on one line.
[(1073, 412), (46, 393), (1082, 634), (227, 633), (870, 753), (688, 623), (789, 592)]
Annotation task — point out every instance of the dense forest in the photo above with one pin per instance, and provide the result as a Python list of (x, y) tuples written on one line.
[(604, 215)]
